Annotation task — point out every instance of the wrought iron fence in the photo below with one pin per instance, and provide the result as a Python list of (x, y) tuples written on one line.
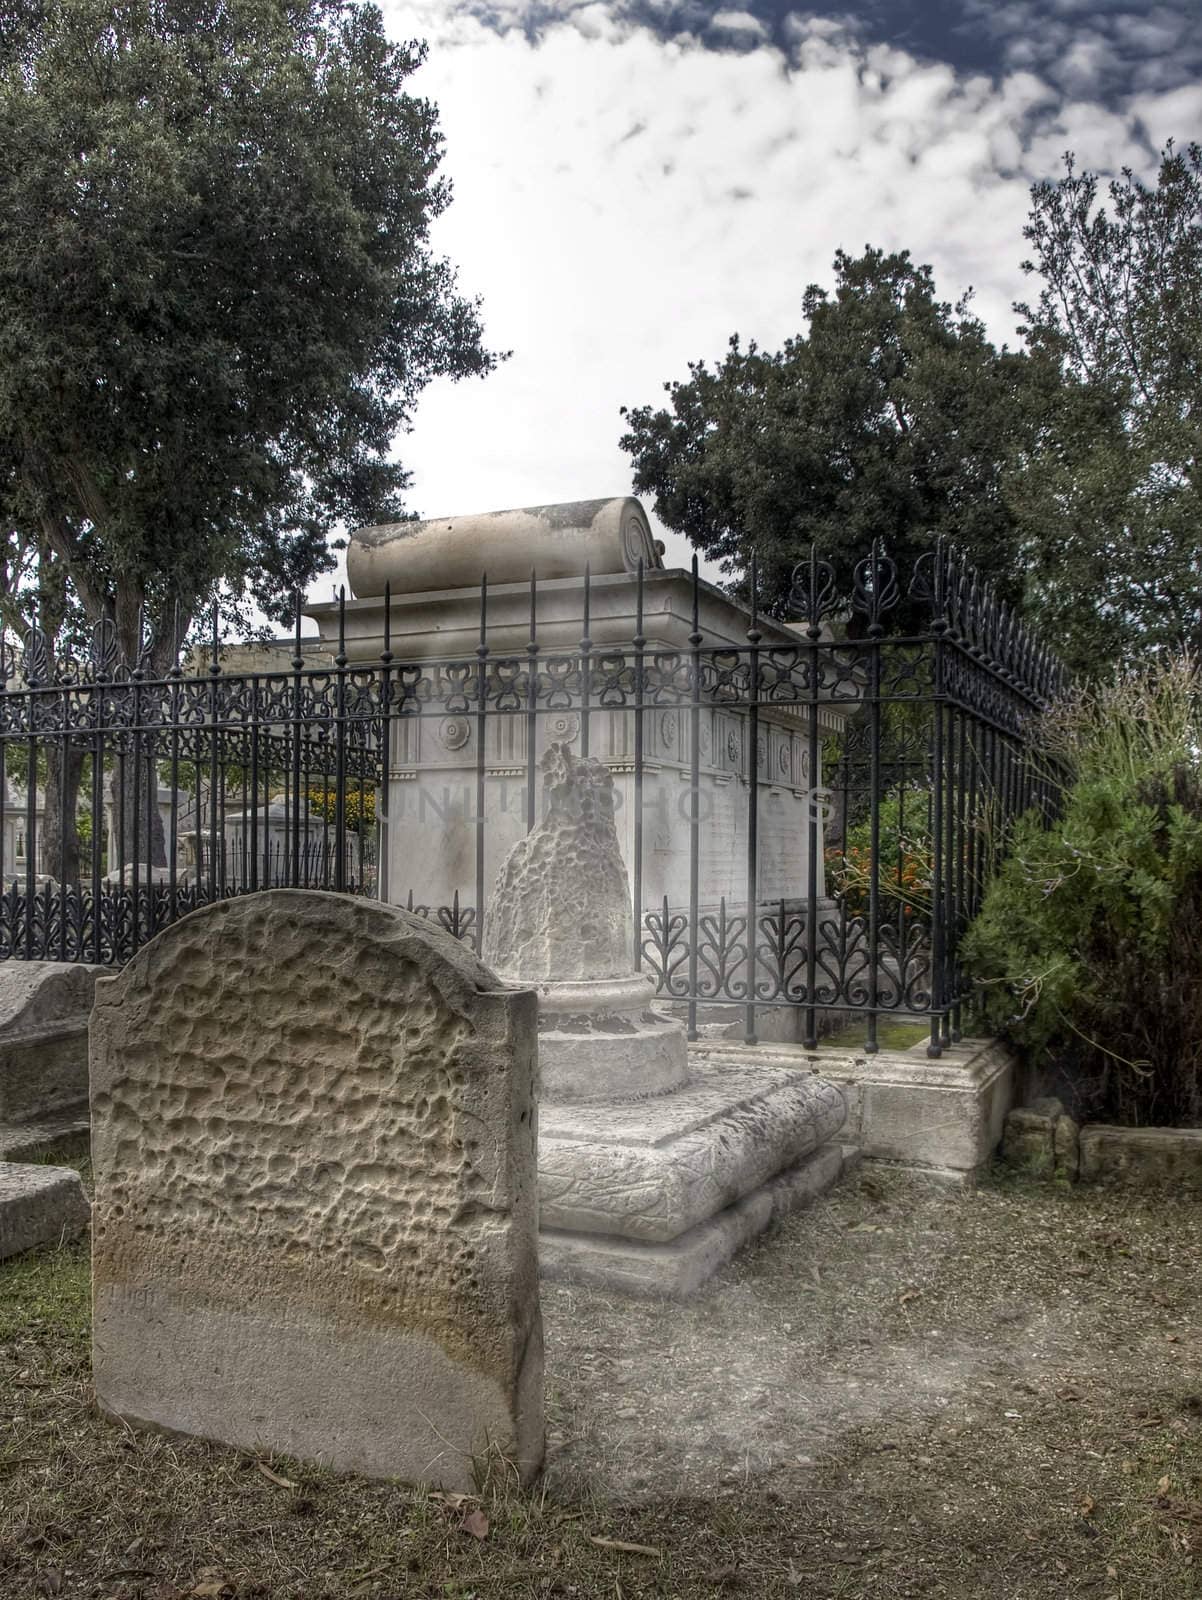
[(811, 811)]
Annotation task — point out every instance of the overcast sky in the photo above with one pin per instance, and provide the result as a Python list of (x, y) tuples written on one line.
[(636, 181)]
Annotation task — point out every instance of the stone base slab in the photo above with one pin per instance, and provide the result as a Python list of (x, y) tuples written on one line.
[(943, 1115), (682, 1266), (653, 1169), (31, 1141), (39, 1205)]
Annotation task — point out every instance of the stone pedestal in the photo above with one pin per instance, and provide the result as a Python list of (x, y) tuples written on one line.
[(652, 1172), (560, 923), (602, 1041)]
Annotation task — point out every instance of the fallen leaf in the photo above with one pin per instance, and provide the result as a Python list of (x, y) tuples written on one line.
[(211, 1585), (624, 1544), (1162, 1488), (908, 1294), (274, 1477), (455, 1502), (1088, 1505), (475, 1523)]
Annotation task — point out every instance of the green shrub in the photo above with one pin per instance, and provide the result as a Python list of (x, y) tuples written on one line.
[(905, 859), (1089, 940)]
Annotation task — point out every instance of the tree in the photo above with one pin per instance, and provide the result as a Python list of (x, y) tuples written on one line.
[(1112, 499), (217, 298), (891, 417)]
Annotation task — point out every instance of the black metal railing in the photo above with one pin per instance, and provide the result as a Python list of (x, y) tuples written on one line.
[(810, 813)]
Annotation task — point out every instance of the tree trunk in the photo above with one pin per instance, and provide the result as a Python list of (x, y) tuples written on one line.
[(138, 834), (60, 827), (137, 827)]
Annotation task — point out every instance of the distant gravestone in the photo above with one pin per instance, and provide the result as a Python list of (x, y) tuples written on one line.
[(44, 1009), (314, 1137)]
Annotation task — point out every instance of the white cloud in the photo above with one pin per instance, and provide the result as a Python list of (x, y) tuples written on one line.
[(738, 22), (624, 203)]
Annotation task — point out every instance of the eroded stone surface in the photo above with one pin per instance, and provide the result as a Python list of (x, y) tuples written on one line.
[(39, 1205), (314, 1142), (561, 906)]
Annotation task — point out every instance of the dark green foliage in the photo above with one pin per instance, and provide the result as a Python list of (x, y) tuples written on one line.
[(891, 417), (217, 300), (1112, 500), (1089, 942)]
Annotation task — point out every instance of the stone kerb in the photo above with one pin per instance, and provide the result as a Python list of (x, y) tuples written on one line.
[(314, 1137)]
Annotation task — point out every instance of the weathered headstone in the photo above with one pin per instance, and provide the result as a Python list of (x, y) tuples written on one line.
[(314, 1135), (44, 1009)]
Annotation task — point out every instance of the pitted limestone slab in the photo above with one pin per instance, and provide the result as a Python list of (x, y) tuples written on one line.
[(680, 1267), (315, 1224), (653, 1169), (44, 1009), (39, 1205)]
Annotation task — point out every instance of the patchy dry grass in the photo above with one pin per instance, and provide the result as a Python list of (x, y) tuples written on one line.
[(904, 1391)]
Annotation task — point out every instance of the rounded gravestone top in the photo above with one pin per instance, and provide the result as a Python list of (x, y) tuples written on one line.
[(353, 920), (555, 541)]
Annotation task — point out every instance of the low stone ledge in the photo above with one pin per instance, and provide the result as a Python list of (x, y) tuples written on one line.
[(39, 1205), (944, 1115), (1149, 1157)]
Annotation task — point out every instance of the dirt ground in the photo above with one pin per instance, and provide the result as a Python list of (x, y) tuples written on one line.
[(907, 1390)]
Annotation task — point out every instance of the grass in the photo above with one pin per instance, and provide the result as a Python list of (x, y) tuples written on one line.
[(1000, 1391), (889, 1035)]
